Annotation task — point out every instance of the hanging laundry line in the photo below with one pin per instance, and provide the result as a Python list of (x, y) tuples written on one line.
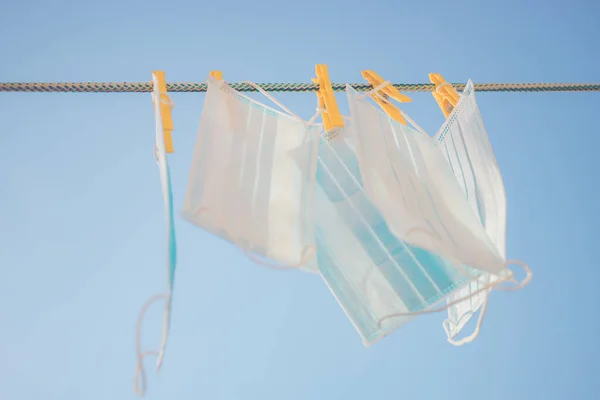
[(146, 87)]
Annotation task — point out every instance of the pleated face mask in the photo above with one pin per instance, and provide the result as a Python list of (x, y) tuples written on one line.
[(253, 175), (373, 275), (410, 182), (465, 144)]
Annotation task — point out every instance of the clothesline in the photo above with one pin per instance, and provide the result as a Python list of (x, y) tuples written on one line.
[(145, 87)]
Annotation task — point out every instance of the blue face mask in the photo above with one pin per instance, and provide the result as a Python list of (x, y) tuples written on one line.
[(372, 273)]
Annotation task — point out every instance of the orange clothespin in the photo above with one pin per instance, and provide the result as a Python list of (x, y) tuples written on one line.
[(386, 92), (332, 118), (165, 110), (444, 94), (218, 75)]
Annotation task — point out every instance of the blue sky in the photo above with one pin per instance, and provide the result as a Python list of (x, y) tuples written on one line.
[(82, 225)]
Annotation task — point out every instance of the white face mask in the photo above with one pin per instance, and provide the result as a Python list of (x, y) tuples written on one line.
[(465, 144), (407, 177), (252, 177), (411, 183), (372, 274)]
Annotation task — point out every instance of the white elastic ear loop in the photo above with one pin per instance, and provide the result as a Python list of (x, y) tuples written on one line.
[(374, 91), (413, 123), (314, 117), (495, 285), (165, 100), (273, 99), (410, 120), (437, 88), (482, 311), (140, 374), (472, 336)]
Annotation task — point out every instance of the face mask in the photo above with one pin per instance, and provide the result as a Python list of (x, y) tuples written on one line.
[(165, 179), (410, 182), (413, 186), (252, 177), (464, 142), (372, 274)]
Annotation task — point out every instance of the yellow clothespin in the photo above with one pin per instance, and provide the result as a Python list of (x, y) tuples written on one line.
[(331, 116), (218, 75), (165, 110), (388, 91), (444, 94)]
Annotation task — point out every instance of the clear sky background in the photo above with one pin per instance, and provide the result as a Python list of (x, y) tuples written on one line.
[(82, 224)]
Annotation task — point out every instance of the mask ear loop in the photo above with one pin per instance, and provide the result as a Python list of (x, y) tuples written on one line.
[(274, 100), (475, 334), (480, 318), (373, 91), (495, 285), (482, 312), (377, 92), (437, 88), (413, 123), (317, 113), (140, 374)]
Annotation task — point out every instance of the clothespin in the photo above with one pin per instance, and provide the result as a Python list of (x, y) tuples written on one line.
[(386, 92), (165, 110), (444, 94), (218, 75), (332, 118)]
